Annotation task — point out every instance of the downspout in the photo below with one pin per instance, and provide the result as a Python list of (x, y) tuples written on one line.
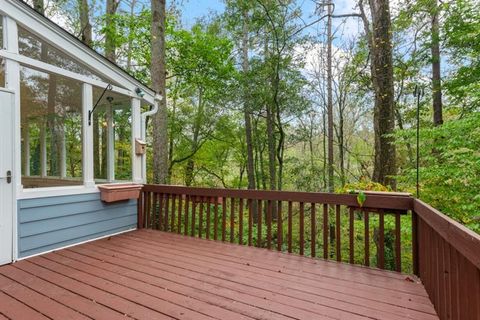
[(143, 129)]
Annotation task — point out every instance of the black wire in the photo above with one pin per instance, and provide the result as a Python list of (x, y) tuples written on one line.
[(419, 94)]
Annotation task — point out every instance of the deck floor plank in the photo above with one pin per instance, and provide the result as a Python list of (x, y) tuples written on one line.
[(310, 272), (254, 288), (77, 302), (39, 302), (218, 268), (148, 274)]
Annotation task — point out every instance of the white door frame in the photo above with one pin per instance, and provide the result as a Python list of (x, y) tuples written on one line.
[(7, 172)]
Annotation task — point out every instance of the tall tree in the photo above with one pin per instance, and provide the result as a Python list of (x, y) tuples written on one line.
[(111, 30), (85, 25), (379, 36), (331, 185), (246, 102), (158, 74), (39, 6)]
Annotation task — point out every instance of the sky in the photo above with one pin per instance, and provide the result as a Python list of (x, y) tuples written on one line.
[(194, 9)]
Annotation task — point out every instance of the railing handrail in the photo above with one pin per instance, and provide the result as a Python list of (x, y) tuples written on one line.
[(387, 201), (457, 235)]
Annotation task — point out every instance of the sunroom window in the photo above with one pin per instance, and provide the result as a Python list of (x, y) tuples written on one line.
[(112, 137), (33, 47), (51, 129)]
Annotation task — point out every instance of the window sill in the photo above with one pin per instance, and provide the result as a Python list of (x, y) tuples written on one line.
[(54, 192)]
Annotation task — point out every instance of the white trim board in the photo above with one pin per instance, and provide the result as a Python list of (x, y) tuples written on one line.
[(35, 193)]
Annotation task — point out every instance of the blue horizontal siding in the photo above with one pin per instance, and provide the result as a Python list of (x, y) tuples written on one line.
[(48, 223)]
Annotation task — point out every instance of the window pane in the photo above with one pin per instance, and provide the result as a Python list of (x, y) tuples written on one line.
[(51, 129), (2, 72), (33, 47), (1, 32), (116, 107)]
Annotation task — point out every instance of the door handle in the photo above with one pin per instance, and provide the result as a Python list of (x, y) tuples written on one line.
[(8, 177)]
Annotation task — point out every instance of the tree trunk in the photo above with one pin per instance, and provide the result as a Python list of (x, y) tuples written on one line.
[(111, 30), (131, 34), (271, 148), (331, 185), (194, 146), (39, 6), (158, 73), (341, 141), (246, 105), (436, 68), (324, 144), (380, 44), (85, 25)]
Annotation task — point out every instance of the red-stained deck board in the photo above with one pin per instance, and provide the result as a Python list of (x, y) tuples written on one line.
[(150, 274)]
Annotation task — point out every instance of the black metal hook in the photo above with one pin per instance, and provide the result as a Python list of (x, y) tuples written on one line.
[(90, 112)]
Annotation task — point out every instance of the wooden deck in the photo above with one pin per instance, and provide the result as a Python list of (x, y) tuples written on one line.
[(155, 275)]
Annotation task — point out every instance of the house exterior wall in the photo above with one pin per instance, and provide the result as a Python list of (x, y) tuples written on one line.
[(50, 223)]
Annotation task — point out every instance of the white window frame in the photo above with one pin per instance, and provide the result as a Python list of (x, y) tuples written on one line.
[(13, 61)]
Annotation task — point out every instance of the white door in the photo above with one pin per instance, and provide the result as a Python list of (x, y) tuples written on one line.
[(6, 179)]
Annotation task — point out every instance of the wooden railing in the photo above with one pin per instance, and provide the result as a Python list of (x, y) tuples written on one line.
[(332, 226), (441, 252), (390, 231), (447, 260)]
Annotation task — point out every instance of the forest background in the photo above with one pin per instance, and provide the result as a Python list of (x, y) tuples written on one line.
[(307, 95)]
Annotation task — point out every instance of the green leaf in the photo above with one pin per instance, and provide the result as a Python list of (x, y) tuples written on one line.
[(361, 198)]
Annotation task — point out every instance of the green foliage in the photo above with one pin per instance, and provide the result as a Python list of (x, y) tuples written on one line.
[(449, 168), (462, 25)]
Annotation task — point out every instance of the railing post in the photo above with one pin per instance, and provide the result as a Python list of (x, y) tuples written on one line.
[(140, 223), (415, 261)]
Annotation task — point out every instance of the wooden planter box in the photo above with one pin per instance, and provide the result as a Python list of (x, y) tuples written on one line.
[(119, 192)]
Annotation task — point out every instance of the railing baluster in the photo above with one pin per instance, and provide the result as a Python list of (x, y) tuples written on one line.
[(259, 224), (398, 249), (179, 215), (313, 230), (352, 234), (187, 208), (232, 219), (194, 207), (209, 205), (148, 207), (157, 205), (290, 226), (269, 224), (338, 233), (367, 238), (200, 218), (215, 219), (381, 240), (165, 216), (172, 220), (325, 231), (140, 211), (302, 228), (158, 209), (240, 221), (279, 227), (224, 218), (250, 222)]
